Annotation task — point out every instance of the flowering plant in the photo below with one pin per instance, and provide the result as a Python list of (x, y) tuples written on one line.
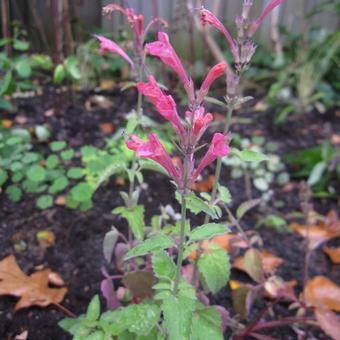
[(177, 306)]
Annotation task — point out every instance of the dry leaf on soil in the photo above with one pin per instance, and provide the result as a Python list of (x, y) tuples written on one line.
[(333, 253), (7, 123), (46, 238), (270, 262), (224, 241), (318, 233), (329, 322), (32, 290), (321, 292)]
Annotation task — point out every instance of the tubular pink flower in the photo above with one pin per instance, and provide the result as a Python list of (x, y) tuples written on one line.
[(154, 150), (208, 17), (217, 71), (164, 50), (107, 45), (258, 22), (201, 122), (164, 104), (219, 148)]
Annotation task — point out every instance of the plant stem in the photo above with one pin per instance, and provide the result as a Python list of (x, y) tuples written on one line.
[(181, 243)]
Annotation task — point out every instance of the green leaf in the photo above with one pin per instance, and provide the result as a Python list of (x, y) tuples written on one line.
[(23, 67), (14, 193), (36, 173), (3, 177), (5, 83), (45, 202), (58, 185), (75, 173), (20, 45), (225, 194), (135, 218), (207, 325), (197, 205), (71, 65), (249, 155), (253, 264), (93, 310), (151, 245), (214, 267), (58, 146), (42, 132), (178, 313), (317, 173), (5, 104), (30, 157), (208, 231), (59, 74), (82, 192), (52, 161), (67, 154), (246, 206), (110, 240), (163, 266)]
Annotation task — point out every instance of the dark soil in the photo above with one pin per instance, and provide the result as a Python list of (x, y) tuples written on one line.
[(77, 253)]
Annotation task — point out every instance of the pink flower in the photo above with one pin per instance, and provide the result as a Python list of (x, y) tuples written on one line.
[(258, 22), (154, 150), (208, 17), (107, 45), (200, 123), (219, 148), (164, 104), (217, 71), (164, 50)]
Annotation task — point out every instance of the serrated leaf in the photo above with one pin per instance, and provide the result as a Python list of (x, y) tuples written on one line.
[(58, 185), (197, 205), (208, 231), (93, 310), (82, 192), (253, 264), (58, 146), (135, 218), (110, 240), (178, 312), (246, 206), (206, 325), (214, 267), (75, 173), (140, 283), (249, 155), (163, 266), (23, 67), (225, 194), (14, 193), (151, 245)]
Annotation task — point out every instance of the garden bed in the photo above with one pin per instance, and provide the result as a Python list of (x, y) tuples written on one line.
[(77, 252)]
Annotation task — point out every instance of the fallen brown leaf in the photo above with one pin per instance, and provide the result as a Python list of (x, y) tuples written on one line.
[(32, 290), (98, 101), (270, 262), (320, 232), (329, 322), (55, 279), (276, 287), (321, 292), (333, 253), (204, 186), (107, 85), (60, 200)]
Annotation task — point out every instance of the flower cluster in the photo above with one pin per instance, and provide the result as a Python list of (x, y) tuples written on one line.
[(136, 23), (242, 48), (190, 129)]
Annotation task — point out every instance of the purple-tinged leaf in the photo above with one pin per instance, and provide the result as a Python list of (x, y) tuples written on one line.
[(109, 294)]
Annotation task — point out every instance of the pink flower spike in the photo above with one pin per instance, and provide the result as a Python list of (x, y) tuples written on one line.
[(107, 45), (154, 150), (217, 71), (258, 22), (219, 148), (208, 17), (164, 50), (164, 104), (201, 122)]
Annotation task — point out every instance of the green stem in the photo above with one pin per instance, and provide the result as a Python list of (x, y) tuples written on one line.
[(181, 244)]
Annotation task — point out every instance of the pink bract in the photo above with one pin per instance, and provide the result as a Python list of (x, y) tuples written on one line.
[(164, 50), (107, 45), (154, 150)]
